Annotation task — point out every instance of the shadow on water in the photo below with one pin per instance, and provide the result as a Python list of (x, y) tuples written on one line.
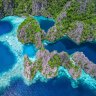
[(7, 58), (54, 87), (5, 27), (46, 24), (67, 45)]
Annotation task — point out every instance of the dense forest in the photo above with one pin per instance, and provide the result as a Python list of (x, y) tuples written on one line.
[(74, 18)]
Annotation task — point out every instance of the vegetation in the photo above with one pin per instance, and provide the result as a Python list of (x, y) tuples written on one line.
[(70, 65), (1, 5), (27, 30), (39, 64), (55, 61), (22, 7), (55, 7), (77, 12)]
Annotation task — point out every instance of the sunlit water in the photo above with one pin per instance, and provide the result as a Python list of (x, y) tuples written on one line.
[(63, 85)]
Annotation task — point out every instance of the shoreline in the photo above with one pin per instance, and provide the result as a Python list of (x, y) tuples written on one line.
[(10, 74)]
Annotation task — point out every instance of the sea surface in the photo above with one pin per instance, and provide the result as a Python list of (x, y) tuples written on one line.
[(69, 46), (12, 51)]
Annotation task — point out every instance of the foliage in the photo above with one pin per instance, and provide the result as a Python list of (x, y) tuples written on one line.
[(1, 4), (31, 27), (55, 61), (55, 7), (39, 64), (76, 13), (22, 7)]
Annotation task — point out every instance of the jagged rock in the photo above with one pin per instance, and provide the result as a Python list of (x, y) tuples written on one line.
[(63, 13), (44, 59), (8, 6), (83, 62), (51, 34), (76, 33), (39, 7)]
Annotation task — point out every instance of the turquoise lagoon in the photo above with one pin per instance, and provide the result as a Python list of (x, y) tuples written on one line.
[(12, 82)]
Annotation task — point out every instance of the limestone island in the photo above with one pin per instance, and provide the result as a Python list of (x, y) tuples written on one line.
[(48, 62), (75, 19)]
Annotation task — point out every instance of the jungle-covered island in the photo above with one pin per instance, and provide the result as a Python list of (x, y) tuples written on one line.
[(73, 18)]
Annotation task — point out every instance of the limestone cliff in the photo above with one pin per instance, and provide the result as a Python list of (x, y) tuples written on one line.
[(83, 62), (48, 63)]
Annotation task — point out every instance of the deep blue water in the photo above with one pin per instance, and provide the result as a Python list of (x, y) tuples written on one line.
[(5, 27), (29, 49), (7, 58), (54, 87), (67, 45), (45, 23)]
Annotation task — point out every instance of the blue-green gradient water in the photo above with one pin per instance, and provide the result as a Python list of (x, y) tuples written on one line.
[(54, 87)]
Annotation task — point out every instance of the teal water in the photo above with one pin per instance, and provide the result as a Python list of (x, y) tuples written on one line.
[(30, 50), (54, 87)]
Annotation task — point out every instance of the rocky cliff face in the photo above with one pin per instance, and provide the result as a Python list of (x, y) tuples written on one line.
[(84, 63), (79, 62), (23, 7), (6, 7), (39, 7), (48, 63)]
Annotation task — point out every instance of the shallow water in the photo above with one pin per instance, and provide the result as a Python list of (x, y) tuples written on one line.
[(30, 50), (67, 45), (54, 87)]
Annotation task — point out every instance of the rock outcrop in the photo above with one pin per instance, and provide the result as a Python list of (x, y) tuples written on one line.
[(48, 63), (76, 33), (39, 7), (84, 63)]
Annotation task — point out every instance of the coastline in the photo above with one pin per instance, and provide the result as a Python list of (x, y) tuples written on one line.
[(10, 39)]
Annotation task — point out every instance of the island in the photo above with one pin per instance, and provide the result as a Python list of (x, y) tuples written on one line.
[(75, 19)]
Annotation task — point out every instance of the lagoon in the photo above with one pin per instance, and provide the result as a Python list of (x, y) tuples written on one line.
[(67, 45), (54, 87)]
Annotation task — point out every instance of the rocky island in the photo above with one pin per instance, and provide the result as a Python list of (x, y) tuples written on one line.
[(80, 27), (73, 18)]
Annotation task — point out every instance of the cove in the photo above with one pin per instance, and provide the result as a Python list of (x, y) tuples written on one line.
[(54, 87), (67, 45), (45, 23), (30, 50), (7, 58), (5, 27)]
